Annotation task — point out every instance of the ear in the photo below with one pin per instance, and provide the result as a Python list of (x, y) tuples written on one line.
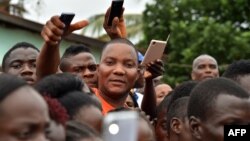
[(195, 127), (193, 75), (175, 125)]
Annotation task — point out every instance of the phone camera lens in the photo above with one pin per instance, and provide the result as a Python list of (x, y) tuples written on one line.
[(113, 129)]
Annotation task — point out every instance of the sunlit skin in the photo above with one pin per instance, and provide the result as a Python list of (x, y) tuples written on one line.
[(24, 116), (204, 67), (22, 63), (227, 110), (83, 65)]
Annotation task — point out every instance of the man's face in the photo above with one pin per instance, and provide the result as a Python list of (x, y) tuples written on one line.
[(83, 65), (161, 132), (22, 63), (118, 70), (227, 110), (205, 67)]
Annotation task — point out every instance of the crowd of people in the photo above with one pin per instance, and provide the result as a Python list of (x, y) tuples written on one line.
[(68, 97)]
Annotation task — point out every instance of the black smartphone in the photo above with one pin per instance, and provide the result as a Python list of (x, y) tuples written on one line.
[(67, 18), (115, 11)]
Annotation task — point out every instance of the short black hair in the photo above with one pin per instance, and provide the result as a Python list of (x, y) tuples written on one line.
[(57, 85), (183, 90), (204, 95), (18, 45), (76, 131), (8, 84), (74, 101), (177, 109), (74, 50), (120, 40), (237, 69)]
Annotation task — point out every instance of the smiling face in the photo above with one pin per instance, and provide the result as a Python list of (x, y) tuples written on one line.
[(227, 110), (118, 70), (22, 63), (24, 116), (204, 67)]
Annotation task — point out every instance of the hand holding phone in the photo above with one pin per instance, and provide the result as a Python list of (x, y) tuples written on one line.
[(67, 18), (115, 11)]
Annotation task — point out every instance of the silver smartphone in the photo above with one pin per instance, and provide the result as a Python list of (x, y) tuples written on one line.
[(120, 126)]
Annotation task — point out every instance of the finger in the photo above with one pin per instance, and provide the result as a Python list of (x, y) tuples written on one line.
[(115, 23), (50, 35), (106, 16), (54, 29), (78, 25), (57, 22)]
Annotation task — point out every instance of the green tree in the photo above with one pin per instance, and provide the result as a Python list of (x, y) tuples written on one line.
[(220, 28)]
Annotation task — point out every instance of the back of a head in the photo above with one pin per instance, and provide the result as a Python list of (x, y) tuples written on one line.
[(183, 90), (163, 106), (76, 131), (24, 45), (237, 69), (9, 84), (204, 95), (177, 109), (74, 101), (57, 85)]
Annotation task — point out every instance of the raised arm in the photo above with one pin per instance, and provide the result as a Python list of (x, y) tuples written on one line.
[(52, 33), (153, 70)]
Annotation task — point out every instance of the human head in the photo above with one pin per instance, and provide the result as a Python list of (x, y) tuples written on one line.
[(23, 112), (161, 90), (118, 69), (177, 120), (239, 71), (77, 131), (20, 60), (79, 60), (161, 132), (131, 102), (183, 90), (214, 103), (57, 84), (204, 66), (82, 108)]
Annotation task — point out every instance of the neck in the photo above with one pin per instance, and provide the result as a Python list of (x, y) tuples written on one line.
[(118, 102)]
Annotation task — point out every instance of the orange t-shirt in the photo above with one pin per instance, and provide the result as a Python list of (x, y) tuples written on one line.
[(106, 107)]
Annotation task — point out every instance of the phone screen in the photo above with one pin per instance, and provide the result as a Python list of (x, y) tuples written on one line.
[(116, 10)]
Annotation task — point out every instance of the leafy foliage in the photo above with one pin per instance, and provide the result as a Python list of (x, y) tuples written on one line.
[(220, 28)]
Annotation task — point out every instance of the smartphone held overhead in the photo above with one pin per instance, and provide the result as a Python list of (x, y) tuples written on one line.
[(67, 18), (155, 51), (115, 11)]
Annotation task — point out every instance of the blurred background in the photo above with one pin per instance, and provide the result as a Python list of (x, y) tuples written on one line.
[(220, 28)]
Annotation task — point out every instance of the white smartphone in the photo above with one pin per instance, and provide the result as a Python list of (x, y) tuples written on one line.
[(120, 126), (155, 51)]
